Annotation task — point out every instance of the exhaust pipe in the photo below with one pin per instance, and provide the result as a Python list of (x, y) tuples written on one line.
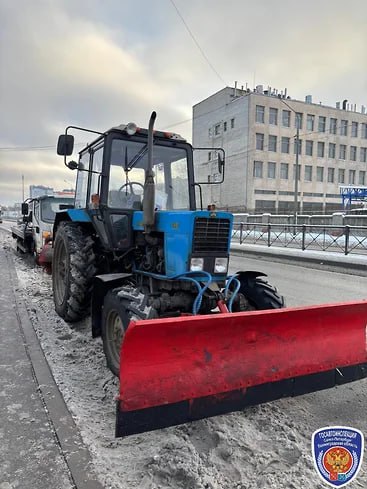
[(149, 186)]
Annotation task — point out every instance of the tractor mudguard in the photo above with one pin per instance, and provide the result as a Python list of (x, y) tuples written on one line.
[(176, 370)]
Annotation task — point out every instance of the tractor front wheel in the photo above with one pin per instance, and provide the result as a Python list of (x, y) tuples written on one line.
[(259, 293), (120, 306)]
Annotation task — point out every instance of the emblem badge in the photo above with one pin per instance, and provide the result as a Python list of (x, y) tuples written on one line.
[(337, 453)]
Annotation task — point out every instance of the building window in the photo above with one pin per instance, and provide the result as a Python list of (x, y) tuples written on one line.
[(310, 122), (322, 123), (260, 141), (298, 120), (272, 143), (224, 126), (309, 148), (341, 176), (260, 114), (299, 146), (271, 169), (352, 177), (362, 178), (330, 175), (363, 155), (354, 129), (284, 169), (232, 123), (258, 169), (285, 145), (364, 131), (308, 173), (273, 116), (332, 148), (320, 149), (217, 129), (320, 173), (353, 153), (286, 118), (342, 152), (344, 128), (333, 124)]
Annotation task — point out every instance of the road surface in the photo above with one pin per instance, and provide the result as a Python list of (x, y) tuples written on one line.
[(302, 285)]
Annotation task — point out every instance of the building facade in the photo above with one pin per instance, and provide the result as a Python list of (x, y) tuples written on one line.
[(258, 131)]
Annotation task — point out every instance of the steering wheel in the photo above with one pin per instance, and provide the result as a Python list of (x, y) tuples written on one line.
[(130, 186)]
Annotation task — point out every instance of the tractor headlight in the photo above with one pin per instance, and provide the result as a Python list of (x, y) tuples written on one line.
[(221, 265), (196, 264)]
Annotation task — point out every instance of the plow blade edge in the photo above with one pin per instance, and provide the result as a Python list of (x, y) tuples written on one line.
[(180, 369)]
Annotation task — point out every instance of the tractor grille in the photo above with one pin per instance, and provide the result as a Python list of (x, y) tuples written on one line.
[(211, 236)]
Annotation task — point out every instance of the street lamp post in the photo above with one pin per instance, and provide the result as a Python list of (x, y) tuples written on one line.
[(296, 173)]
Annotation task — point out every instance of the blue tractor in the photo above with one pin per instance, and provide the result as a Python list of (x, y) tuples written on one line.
[(135, 246)]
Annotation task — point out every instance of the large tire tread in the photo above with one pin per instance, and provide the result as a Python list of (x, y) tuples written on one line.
[(261, 294)]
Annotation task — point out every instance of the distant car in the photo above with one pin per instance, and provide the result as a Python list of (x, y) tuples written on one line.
[(33, 231)]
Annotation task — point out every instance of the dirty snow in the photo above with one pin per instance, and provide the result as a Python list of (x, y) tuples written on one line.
[(265, 446)]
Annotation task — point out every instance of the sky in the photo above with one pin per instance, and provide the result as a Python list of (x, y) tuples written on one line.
[(100, 63)]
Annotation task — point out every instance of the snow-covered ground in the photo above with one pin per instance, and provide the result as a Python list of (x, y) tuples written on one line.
[(265, 446)]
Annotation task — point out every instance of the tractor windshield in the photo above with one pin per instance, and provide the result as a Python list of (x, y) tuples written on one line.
[(128, 162)]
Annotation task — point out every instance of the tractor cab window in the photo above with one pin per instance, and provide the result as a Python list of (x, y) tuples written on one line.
[(82, 182), (96, 164), (127, 174)]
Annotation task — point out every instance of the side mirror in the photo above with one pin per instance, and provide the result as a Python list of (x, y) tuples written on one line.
[(25, 209), (65, 145)]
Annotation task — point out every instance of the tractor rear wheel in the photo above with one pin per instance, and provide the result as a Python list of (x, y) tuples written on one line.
[(120, 306), (259, 293), (73, 268)]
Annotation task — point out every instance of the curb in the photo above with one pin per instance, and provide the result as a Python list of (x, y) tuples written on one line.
[(75, 453)]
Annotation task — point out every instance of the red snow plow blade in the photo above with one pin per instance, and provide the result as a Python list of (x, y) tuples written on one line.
[(181, 369)]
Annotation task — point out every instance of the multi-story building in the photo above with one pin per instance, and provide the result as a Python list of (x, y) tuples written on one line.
[(258, 131)]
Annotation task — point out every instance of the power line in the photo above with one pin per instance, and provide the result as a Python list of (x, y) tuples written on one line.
[(197, 44), (26, 148), (18, 149)]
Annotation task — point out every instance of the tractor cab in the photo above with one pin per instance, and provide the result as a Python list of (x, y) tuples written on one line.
[(112, 172)]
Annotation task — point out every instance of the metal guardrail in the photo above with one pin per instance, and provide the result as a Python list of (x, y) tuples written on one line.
[(342, 239)]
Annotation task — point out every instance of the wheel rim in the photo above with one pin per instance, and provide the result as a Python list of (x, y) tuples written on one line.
[(114, 335), (60, 268)]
